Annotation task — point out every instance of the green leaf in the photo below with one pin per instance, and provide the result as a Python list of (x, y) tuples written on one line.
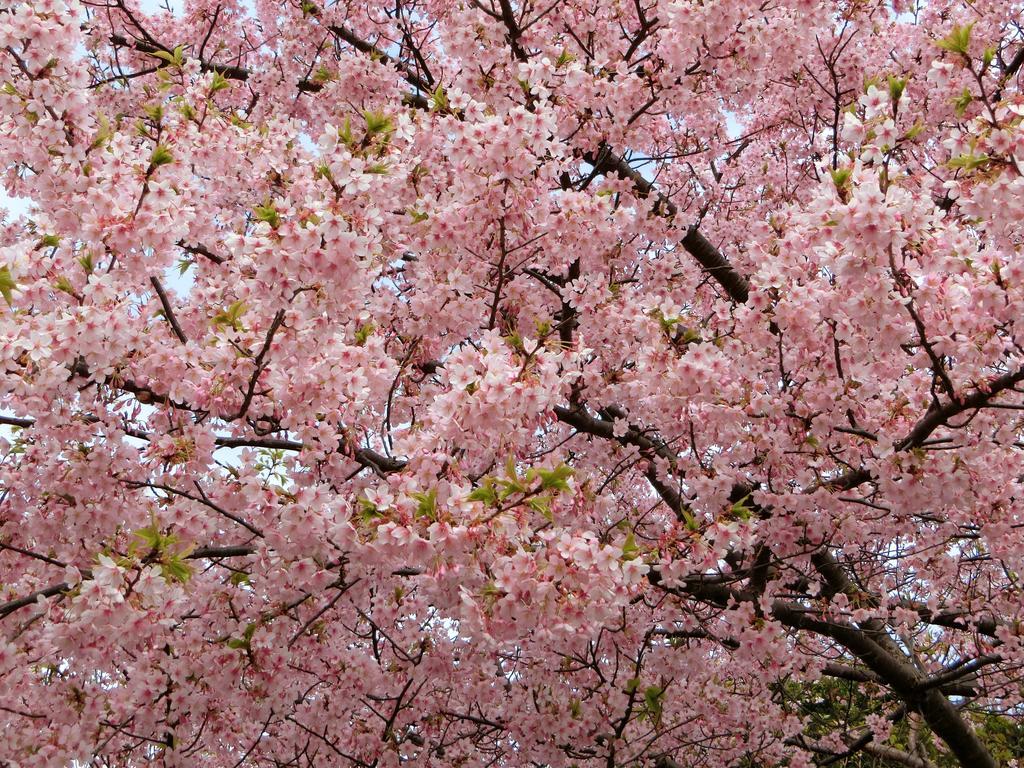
[(740, 510), (7, 285), (968, 162), (176, 569), (426, 504), (324, 75), (490, 591), (368, 511), (268, 214), (915, 131), (377, 122), (962, 102), (630, 551), (103, 134), (64, 285), (667, 323), (364, 332), (231, 316), (439, 100), (555, 479), (542, 506), (161, 156), (689, 336), (154, 112), (515, 341), (485, 492), (219, 83), (896, 87), (653, 696), (377, 168), (345, 133), (957, 41), (150, 536), (175, 57), (564, 58)]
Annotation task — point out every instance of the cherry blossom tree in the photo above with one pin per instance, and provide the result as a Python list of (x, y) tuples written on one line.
[(512, 383)]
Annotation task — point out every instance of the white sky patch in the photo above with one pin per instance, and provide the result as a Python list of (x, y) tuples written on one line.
[(176, 7), (13, 207)]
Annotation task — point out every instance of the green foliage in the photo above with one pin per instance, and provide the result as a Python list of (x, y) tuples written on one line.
[(244, 643), (654, 696), (915, 131), (486, 492), (64, 285), (426, 504), (219, 83), (958, 41), (740, 510), (968, 162), (841, 178), (630, 551), (174, 58), (152, 545), (555, 479), (538, 487), (324, 75), (377, 123), (542, 506), (7, 285), (103, 134), (564, 58), (161, 156), (439, 100), (345, 133), (575, 708), (962, 102), (368, 511), (896, 87), (363, 333), (268, 214), (830, 705), (1003, 735), (231, 316)]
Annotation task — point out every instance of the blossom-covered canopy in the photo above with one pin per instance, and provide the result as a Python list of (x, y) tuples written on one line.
[(511, 383)]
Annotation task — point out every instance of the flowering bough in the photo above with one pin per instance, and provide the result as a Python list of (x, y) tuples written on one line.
[(493, 383)]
